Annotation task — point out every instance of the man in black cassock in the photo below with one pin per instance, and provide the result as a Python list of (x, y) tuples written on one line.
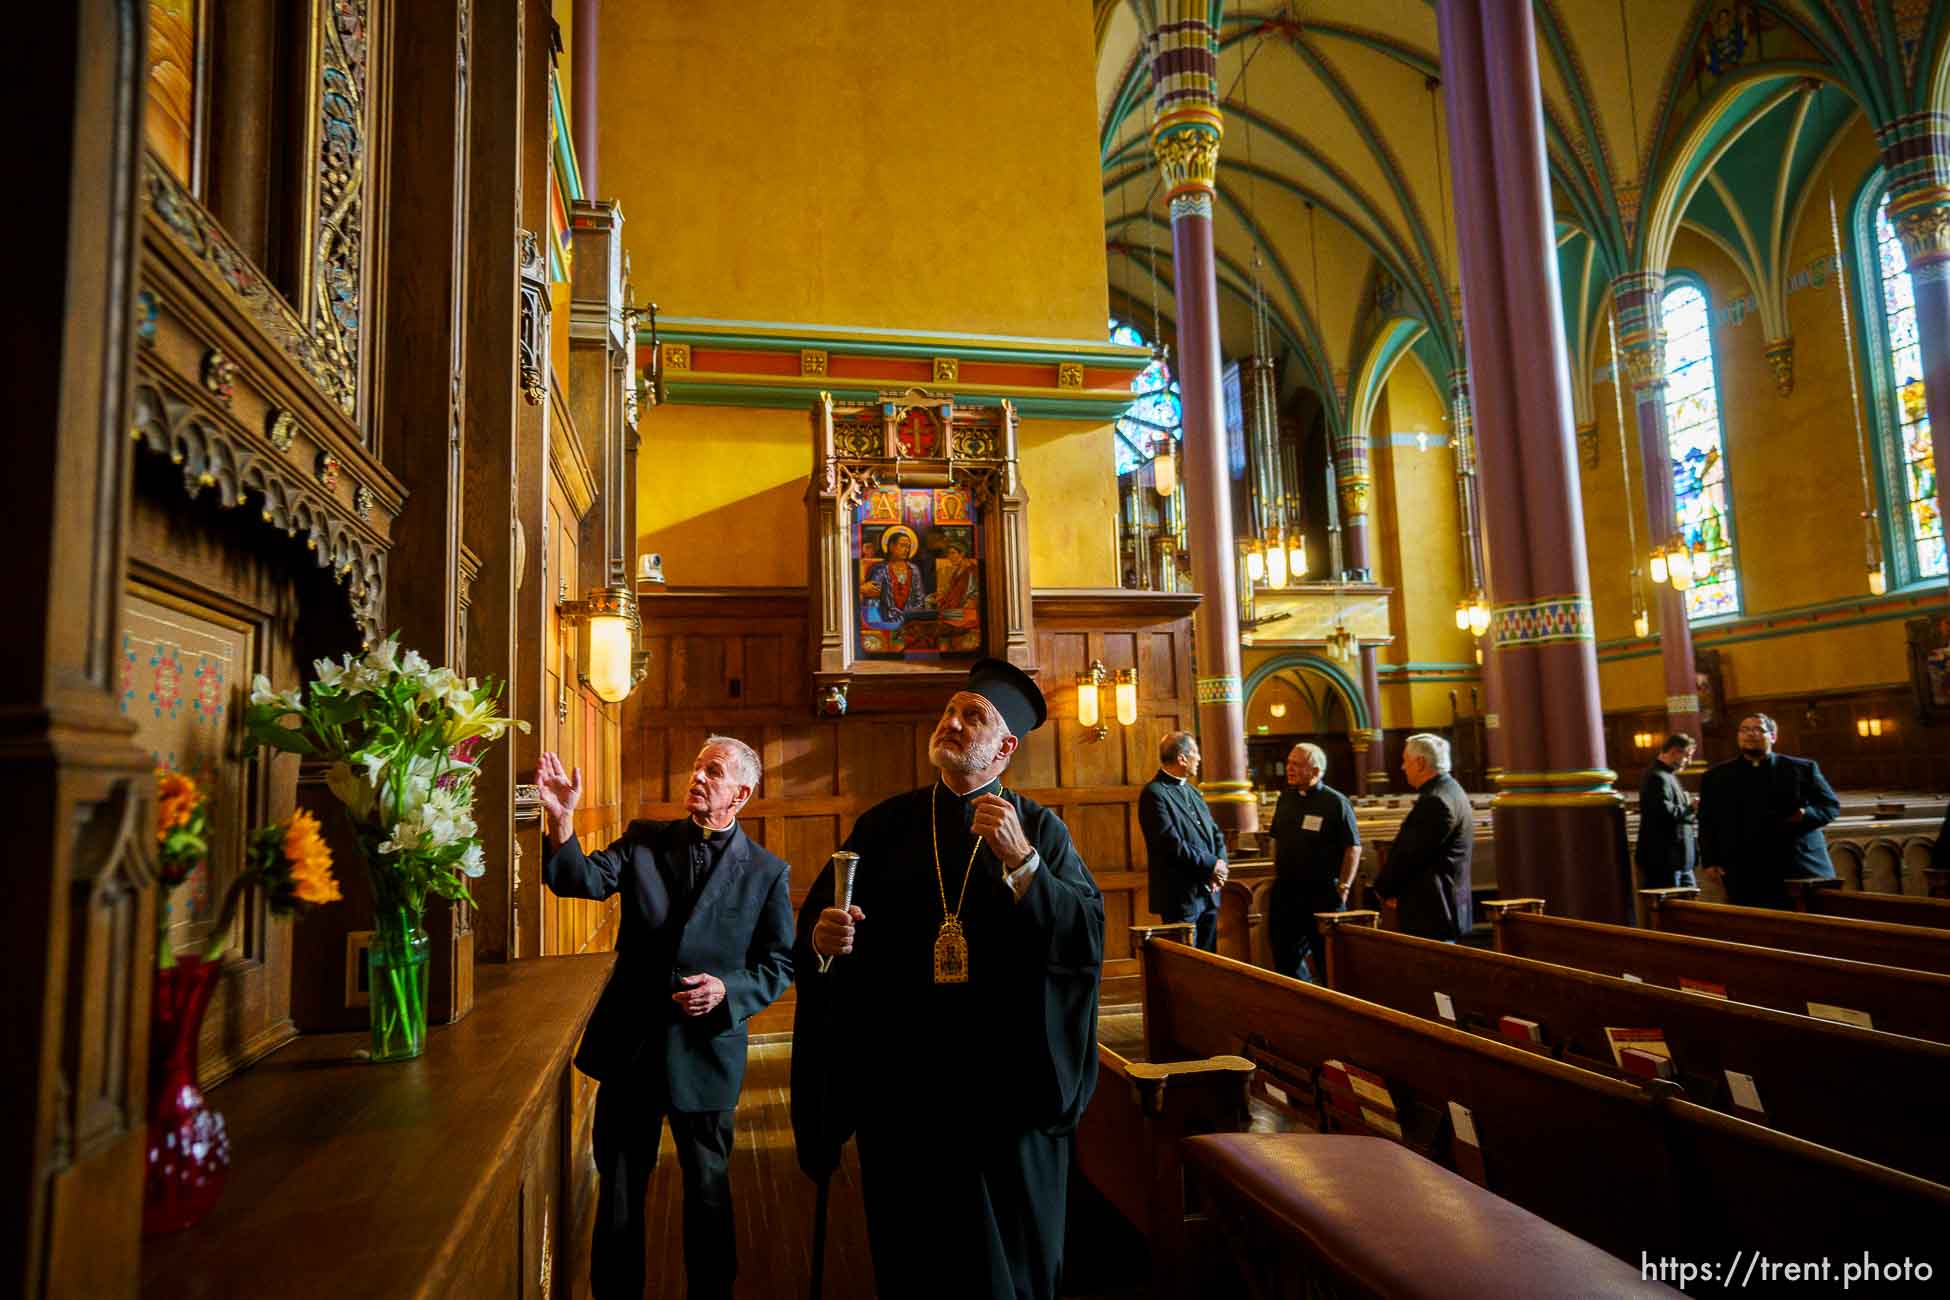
[(948, 1018)]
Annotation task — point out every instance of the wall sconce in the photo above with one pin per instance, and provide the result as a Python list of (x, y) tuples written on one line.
[(1256, 561), (1275, 560), (1473, 614), (606, 658), (1645, 739), (1866, 727), (1090, 710), (1278, 709), (1164, 472)]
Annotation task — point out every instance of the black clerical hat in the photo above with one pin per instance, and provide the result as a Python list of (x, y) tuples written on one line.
[(1013, 693)]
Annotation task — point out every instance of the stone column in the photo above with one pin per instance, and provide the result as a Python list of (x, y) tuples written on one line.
[(1637, 297), (1560, 826), (1353, 479), (1185, 129), (1914, 153), (1369, 758), (582, 90)]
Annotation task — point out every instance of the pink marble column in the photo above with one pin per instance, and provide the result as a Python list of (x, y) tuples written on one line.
[(1186, 126), (582, 91), (1560, 826), (1639, 300)]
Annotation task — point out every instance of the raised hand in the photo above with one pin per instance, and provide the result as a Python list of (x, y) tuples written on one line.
[(560, 792), (996, 822)]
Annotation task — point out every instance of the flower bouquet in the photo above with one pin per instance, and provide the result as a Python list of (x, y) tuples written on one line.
[(404, 741), (189, 1148)]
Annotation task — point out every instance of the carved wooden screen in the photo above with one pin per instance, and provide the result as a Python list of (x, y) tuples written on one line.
[(919, 562)]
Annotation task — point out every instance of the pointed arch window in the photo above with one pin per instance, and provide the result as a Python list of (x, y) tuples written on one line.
[(1902, 420), (1156, 418), (1698, 449)]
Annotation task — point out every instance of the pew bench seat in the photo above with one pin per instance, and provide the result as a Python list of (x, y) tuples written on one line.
[(1308, 1214)]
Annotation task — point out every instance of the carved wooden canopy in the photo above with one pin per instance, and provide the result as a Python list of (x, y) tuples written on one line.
[(919, 546)]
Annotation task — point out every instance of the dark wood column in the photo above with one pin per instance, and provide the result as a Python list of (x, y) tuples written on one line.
[(534, 600), (76, 794), (423, 377), (498, 124)]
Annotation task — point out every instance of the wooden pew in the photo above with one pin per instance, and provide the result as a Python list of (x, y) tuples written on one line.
[(1303, 1214), (1678, 911), (1810, 1075), (1243, 909), (1824, 896), (1128, 1142), (1588, 1153), (1895, 1000)]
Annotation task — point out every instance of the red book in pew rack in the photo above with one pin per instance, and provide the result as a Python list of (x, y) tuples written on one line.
[(1642, 1052), (1519, 1030)]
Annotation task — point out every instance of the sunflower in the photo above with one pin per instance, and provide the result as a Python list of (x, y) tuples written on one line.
[(176, 801), (310, 861)]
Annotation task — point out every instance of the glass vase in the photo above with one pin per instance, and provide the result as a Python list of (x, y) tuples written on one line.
[(189, 1150), (396, 973)]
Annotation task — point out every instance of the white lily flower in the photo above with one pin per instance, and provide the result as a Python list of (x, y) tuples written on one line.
[(327, 672), (384, 657), (413, 664), (472, 862)]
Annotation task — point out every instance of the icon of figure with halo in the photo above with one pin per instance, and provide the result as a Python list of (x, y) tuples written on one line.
[(894, 587)]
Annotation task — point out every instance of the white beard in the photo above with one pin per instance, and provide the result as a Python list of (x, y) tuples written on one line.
[(975, 757)]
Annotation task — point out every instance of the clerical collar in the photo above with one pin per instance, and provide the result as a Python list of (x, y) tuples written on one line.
[(712, 834), (1179, 780), (993, 787)]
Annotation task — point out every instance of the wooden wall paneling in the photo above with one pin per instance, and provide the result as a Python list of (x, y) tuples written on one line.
[(498, 123), (75, 972), (425, 393), (248, 119)]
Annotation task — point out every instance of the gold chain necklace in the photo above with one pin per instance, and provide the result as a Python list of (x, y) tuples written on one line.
[(950, 944)]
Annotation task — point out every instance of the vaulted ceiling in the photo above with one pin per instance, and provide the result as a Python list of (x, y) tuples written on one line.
[(1335, 167)]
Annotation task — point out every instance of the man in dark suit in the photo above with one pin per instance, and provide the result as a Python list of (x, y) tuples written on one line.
[(1668, 844), (1186, 847), (1761, 815), (1426, 873), (705, 944)]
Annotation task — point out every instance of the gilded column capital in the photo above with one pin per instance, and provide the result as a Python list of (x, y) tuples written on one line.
[(1588, 446), (1780, 358), (1637, 300), (1354, 497), (1188, 155), (1922, 222)]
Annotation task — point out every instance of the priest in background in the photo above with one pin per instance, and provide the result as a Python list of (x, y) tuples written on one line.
[(1186, 848), (948, 1017)]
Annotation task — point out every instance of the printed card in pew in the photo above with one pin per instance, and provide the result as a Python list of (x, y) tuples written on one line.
[(1745, 1096), (1642, 1052), (1357, 1100), (1465, 1148), (1842, 1015), (1705, 988), (1518, 1030)]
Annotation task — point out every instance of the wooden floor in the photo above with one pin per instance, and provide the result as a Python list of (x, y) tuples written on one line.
[(774, 1201)]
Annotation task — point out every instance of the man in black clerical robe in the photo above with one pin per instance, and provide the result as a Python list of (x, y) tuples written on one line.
[(963, 1094), (1761, 815)]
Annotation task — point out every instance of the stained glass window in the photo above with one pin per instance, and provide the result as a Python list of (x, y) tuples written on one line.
[(1909, 418), (1155, 418), (1699, 461)]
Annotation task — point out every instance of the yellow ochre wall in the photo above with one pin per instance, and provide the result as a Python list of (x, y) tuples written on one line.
[(910, 167), (1793, 477), (1417, 544)]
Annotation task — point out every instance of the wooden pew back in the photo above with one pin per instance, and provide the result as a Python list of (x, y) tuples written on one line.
[(1675, 911), (1527, 1110), (1898, 1001), (1629, 1171), (1809, 1074), (1827, 898)]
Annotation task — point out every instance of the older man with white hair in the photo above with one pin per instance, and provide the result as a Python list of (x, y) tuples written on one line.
[(705, 943), (947, 1017), (1316, 851), (1426, 873)]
